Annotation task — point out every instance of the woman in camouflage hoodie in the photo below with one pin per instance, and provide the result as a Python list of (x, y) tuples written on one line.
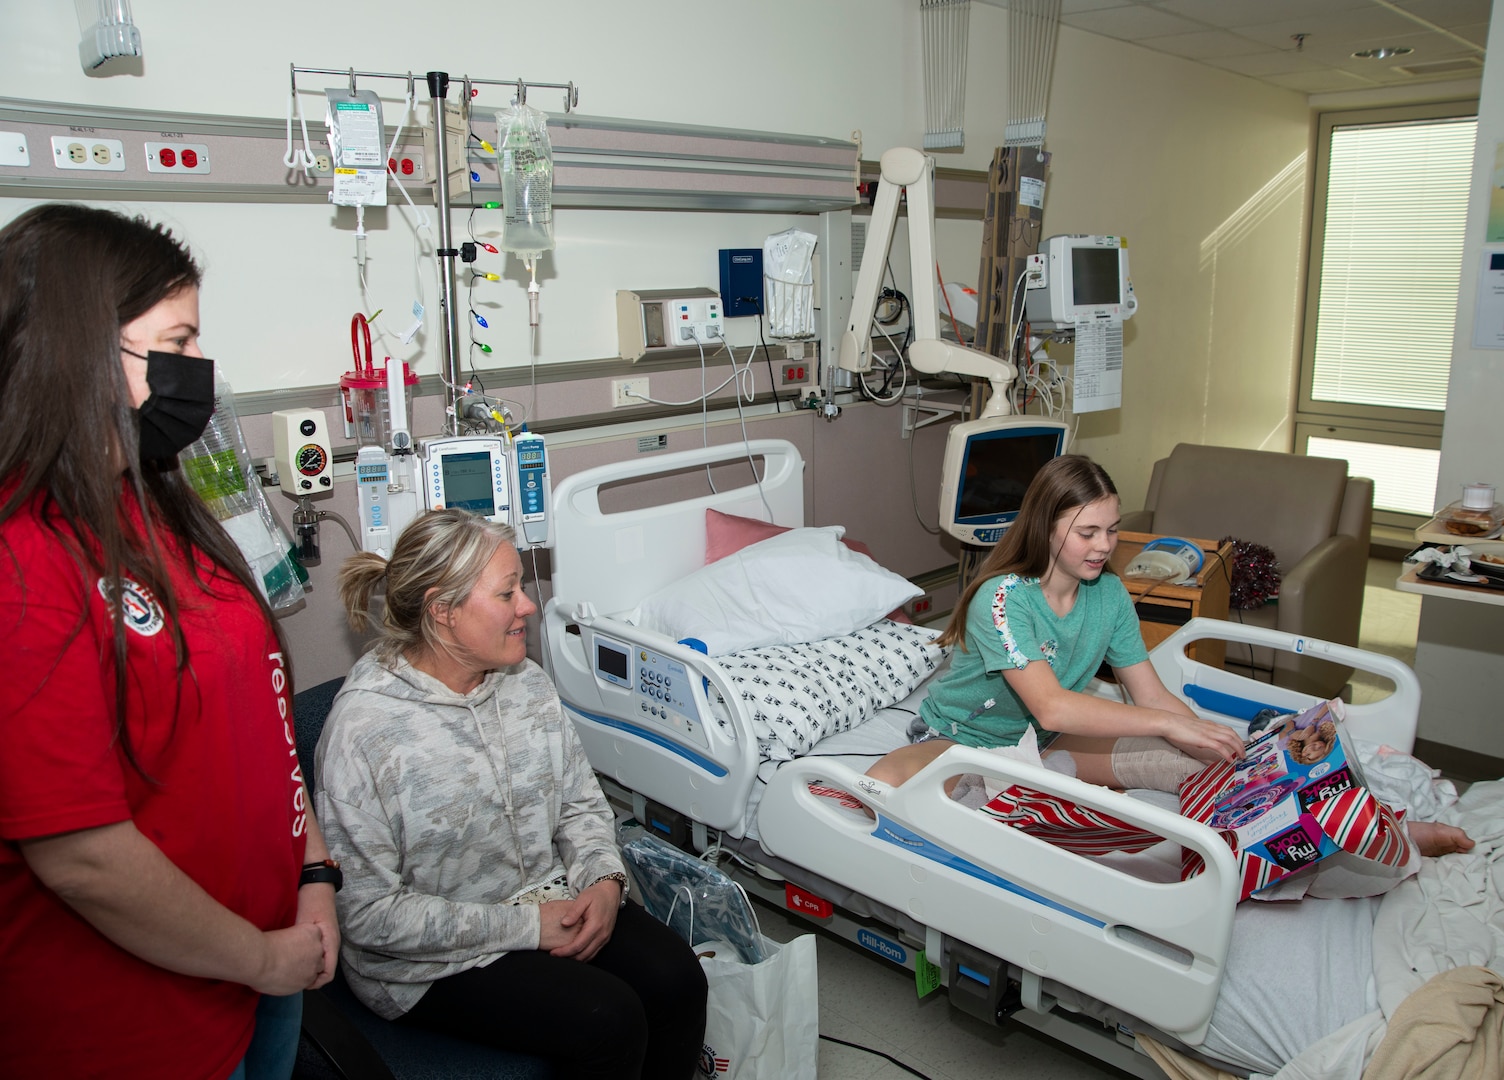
[(484, 894)]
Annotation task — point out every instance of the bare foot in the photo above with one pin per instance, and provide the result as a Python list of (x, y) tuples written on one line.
[(1434, 838)]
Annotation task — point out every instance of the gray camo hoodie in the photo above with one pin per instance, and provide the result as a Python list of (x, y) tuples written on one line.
[(442, 806)]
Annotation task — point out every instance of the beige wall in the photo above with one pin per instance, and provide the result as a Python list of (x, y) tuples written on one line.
[(1460, 655), (1205, 176), (1200, 169)]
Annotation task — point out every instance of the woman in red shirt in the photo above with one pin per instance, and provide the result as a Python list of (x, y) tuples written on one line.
[(153, 824)]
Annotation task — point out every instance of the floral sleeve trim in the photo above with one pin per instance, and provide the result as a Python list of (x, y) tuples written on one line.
[(1008, 583)]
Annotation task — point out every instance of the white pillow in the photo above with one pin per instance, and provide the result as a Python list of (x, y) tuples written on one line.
[(803, 585)]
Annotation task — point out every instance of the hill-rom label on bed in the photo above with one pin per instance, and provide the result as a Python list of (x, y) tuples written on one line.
[(888, 950), (1297, 797)]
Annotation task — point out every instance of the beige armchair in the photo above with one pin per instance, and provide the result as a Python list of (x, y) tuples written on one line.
[(1313, 516)]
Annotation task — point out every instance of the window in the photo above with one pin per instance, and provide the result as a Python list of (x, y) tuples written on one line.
[(1392, 189)]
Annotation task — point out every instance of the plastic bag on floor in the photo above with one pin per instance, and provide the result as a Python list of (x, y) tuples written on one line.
[(694, 899)]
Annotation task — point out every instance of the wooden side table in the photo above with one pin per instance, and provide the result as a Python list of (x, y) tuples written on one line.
[(1164, 608)]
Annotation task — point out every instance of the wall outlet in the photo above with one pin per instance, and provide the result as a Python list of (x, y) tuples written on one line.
[(171, 157), (796, 373), (83, 151), (623, 391), (920, 607)]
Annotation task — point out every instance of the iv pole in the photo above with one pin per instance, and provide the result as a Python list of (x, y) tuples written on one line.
[(438, 91)]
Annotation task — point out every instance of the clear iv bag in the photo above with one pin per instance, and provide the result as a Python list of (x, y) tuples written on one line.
[(527, 181), (218, 466)]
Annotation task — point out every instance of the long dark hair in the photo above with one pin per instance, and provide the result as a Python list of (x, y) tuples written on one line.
[(71, 277), (1066, 483)]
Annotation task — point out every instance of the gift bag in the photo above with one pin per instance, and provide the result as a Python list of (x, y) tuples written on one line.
[(762, 1018), (762, 1021)]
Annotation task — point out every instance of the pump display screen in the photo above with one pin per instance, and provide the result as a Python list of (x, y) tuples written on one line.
[(998, 470), (1094, 276), (468, 484)]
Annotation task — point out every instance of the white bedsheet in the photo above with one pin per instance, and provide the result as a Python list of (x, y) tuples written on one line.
[(1450, 914)]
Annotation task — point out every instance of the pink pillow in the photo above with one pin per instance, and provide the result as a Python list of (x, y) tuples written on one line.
[(726, 534)]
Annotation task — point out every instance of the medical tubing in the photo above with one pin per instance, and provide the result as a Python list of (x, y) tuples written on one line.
[(354, 542)]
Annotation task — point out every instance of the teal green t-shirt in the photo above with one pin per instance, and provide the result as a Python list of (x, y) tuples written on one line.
[(1010, 624)]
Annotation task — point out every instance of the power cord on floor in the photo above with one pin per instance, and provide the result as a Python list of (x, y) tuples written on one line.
[(878, 1053)]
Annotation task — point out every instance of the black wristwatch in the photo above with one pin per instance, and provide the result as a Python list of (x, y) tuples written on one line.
[(319, 873)]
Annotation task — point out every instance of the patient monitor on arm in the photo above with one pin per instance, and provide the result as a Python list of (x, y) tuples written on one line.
[(989, 461)]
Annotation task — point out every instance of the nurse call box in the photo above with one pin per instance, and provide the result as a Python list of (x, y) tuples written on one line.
[(466, 472)]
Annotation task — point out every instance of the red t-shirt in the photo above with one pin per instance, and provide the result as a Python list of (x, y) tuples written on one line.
[(227, 805)]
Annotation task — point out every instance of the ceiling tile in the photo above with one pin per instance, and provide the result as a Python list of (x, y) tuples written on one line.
[(1203, 44), (1071, 7), (1229, 13), (1323, 25), (1449, 13), (1130, 23), (1477, 33), (1270, 62), (1320, 82), (1254, 37)]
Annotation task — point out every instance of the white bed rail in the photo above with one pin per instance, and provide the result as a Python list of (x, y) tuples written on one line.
[(1221, 695), (1053, 913)]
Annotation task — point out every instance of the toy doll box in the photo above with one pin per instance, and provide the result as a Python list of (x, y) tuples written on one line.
[(1297, 797)]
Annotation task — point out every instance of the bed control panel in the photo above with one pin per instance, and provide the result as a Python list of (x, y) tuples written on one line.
[(662, 686)]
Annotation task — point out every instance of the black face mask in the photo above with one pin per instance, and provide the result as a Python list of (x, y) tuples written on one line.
[(180, 403)]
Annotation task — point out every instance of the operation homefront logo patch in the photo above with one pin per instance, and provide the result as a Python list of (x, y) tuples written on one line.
[(710, 1065), (142, 612)]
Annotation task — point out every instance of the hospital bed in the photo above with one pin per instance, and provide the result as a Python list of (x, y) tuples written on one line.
[(1007, 917)]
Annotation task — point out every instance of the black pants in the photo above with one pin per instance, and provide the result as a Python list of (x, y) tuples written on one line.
[(636, 1010)]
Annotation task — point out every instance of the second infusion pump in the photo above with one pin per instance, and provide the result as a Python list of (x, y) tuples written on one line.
[(500, 480)]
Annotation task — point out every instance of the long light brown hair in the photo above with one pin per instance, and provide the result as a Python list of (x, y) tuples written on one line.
[(71, 278), (1065, 484)]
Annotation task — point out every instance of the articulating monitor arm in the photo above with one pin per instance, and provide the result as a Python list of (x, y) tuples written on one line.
[(906, 168)]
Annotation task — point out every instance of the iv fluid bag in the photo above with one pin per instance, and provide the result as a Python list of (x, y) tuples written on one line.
[(218, 466), (527, 181)]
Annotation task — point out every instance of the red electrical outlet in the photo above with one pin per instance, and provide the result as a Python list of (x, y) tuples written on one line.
[(176, 157), (794, 374)]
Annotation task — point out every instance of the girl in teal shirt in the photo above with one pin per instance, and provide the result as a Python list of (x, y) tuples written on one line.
[(1030, 633)]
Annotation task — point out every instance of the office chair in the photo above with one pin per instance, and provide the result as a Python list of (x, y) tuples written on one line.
[(342, 1039)]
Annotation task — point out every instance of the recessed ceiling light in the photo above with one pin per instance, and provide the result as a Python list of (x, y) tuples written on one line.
[(1383, 52)]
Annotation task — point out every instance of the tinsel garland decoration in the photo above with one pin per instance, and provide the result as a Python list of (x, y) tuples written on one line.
[(1254, 575)]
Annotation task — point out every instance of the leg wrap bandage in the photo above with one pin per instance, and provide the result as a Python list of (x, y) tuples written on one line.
[(1146, 761)]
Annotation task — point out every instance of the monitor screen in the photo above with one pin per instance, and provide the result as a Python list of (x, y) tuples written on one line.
[(998, 469), (468, 484), (1094, 276)]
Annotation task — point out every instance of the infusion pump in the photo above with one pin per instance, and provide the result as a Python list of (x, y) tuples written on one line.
[(502, 480)]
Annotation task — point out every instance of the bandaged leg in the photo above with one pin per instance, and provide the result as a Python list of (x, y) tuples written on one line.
[(1145, 761)]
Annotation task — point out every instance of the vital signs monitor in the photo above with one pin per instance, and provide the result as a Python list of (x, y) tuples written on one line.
[(989, 464), (1076, 279)]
